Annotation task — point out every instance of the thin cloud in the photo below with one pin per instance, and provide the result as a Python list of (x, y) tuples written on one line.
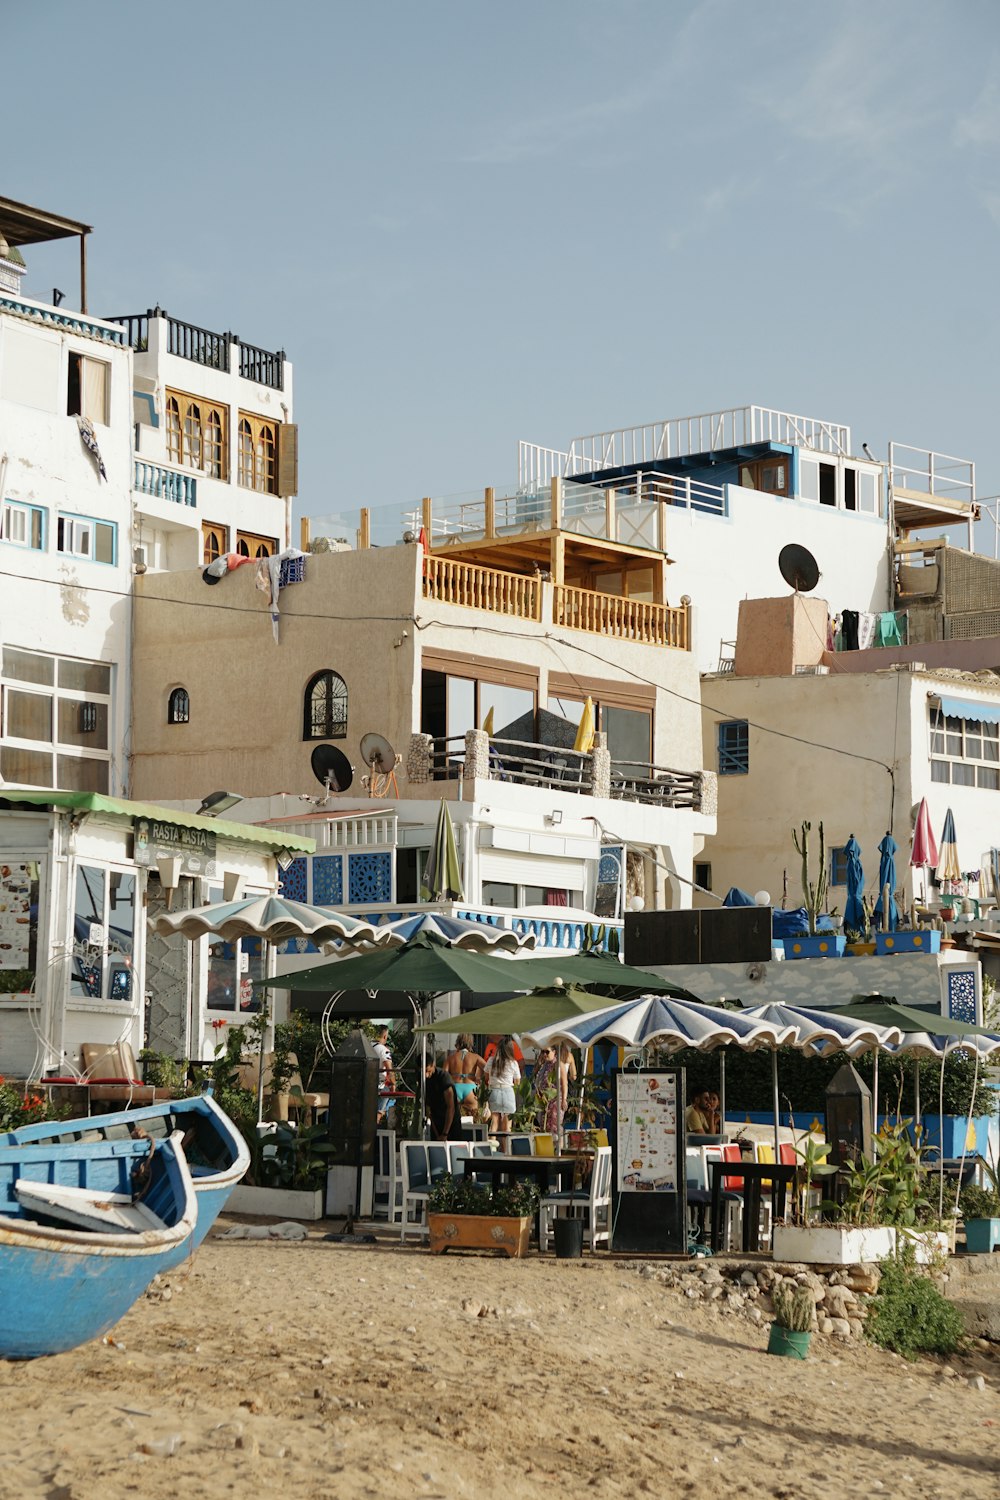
[(980, 125)]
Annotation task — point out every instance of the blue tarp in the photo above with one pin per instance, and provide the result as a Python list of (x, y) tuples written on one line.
[(788, 923), (735, 897)]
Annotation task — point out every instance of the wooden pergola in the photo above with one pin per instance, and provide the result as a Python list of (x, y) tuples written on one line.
[(22, 225)]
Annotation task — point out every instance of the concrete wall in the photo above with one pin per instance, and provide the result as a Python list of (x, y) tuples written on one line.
[(777, 635), (50, 601)]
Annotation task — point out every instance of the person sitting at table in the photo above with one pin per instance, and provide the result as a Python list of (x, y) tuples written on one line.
[(713, 1112), (697, 1115), (465, 1068), (442, 1104), (503, 1073)]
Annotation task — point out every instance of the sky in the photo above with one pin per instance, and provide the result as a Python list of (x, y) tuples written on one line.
[(471, 223)]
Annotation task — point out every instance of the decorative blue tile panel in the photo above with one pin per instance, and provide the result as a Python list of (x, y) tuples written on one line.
[(962, 995), (609, 871), (369, 877), (292, 882), (328, 880)]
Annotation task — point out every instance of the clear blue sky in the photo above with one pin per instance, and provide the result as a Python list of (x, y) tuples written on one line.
[(471, 223)]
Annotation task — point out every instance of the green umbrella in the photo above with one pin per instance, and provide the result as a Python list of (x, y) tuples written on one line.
[(601, 973), (424, 963), (442, 873), (543, 1007)]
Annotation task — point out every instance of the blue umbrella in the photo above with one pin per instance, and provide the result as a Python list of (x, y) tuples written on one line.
[(887, 877), (854, 912)]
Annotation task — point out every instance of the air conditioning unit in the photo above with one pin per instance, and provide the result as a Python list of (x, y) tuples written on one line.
[(812, 671)]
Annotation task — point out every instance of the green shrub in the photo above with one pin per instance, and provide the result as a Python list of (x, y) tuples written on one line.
[(979, 1203), (909, 1315), (459, 1195)]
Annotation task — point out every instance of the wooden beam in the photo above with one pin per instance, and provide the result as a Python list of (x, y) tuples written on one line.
[(555, 502), (557, 556), (365, 530), (426, 508), (83, 273), (491, 513), (304, 534)]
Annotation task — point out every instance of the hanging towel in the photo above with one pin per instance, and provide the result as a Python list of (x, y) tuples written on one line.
[(866, 630), (849, 625), (89, 439), (293, 570), (887, 632)]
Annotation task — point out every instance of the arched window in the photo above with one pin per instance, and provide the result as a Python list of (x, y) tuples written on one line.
[(325, 708), (173, 430), (178, 707)]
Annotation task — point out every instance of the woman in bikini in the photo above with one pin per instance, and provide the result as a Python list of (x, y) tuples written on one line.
[(465, 1069)]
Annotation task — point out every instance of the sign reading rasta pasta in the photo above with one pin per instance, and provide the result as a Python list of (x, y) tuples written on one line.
[(155, 839)]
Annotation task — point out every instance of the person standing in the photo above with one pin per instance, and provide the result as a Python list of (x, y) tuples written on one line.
[(386, 1075), (503, 1074), (441, 1100), (466, 1068)]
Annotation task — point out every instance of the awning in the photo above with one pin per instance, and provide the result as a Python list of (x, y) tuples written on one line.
[(968, 708), (14, 799)]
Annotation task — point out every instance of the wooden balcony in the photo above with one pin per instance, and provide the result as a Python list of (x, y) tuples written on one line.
[(624, 619), (473, 587)]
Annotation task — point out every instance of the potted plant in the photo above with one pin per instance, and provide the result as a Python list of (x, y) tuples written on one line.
[(813, 944), (462, 1215), (980, 1208), (794, 1310)]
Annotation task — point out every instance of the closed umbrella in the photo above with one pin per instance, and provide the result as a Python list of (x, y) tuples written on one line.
[(854, 911), (442, 873), (889, 921), (584, 741), (949, 871), (457, 932), (924, 851)]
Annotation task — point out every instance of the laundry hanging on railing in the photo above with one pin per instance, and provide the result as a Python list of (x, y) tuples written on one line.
[(89, 439), (274, 574)]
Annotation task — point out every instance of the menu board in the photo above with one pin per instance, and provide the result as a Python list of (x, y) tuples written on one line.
[(18, 923), (646, 1132)]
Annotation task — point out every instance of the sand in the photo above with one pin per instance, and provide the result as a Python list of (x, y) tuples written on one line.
[(314, 1369)]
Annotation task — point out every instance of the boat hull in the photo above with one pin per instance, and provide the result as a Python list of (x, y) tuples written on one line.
[(61, 1287)]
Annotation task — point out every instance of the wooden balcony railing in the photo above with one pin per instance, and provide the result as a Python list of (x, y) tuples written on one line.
[(474, 587), (625, 619)]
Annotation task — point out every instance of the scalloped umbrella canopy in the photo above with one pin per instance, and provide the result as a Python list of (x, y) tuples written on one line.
[(924, 1033), (854, 912), (273, 918), (518, 1014), (425, 964), (821, 1031), (653, 1019), (457, 932)]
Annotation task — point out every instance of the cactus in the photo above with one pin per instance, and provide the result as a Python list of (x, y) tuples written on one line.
[(793, 1308), (813, 896)]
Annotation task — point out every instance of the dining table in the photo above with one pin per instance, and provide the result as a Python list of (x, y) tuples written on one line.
[(753, 1175), (548, 1171)]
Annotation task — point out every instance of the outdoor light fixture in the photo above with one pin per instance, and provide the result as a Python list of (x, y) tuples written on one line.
[(555, 816), (218, 802), (284, 858)]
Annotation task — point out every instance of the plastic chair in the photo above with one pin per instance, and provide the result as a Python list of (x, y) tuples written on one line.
[(438, 1159), (416, 1183), (387, 1181), (484, 1148), (544, 1144), (458, 1151), (595, 1208), (732, 1202), (520, 1145)]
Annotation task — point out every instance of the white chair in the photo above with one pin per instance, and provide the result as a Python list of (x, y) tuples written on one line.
[(520, 1144), (732, 1203), (458, 1151), (388, 1202), (416, 1183), (595, 1208)]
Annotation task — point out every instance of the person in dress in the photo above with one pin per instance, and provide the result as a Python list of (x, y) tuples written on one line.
[(504, 1074)]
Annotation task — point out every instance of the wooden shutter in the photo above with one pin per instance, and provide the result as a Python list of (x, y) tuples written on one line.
[(288, 459)]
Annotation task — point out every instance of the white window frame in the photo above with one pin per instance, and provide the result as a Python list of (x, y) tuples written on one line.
[(943, 756), (102, 418), (54, 693), (11, 509), (79, 534)]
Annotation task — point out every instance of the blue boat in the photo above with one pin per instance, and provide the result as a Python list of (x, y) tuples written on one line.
[(61, 1286), (216, 1152)]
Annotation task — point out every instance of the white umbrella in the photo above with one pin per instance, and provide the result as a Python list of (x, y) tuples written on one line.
[(457, 932), (273, 919)]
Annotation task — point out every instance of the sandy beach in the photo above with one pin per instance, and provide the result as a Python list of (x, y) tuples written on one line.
[(315, 1369)]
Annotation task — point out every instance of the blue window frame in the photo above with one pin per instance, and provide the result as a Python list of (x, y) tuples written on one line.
[(22, 525), (734, 747), (84, 536), (838, 865)]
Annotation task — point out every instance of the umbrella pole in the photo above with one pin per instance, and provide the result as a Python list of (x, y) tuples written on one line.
[(916, 1090), (875, 1093), (774, 1087), (722, 1091), (265, 1011)]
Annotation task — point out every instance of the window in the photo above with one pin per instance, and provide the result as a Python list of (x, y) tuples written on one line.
[(215, 541), (248, 545), (103, 933), (81, 536), (22, 525), (233, 969), (703, 875), (838, 865), (629, 731), (178, 707), (258, 451), (88, 387), (198, 433), (767, 474), (55, 721), (734, 748), (965, 752), (325, 716)]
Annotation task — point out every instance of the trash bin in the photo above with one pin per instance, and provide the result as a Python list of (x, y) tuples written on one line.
[(569, 1238)]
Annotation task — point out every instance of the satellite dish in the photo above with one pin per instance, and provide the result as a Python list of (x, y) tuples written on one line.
[(798, 568), (381, 760), (331, 768)]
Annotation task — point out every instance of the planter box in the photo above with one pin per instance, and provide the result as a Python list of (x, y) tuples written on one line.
[(861, 950), (954, 1133), (928, 1243), (823, 945), (478, 1232), (982, 1236), (276, 1203), (831, 1244), (909, 941)]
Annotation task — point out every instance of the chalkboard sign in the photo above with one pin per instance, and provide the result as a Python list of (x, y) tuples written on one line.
[(649, 1184)]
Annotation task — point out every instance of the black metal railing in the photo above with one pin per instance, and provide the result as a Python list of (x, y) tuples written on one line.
[(263, 367), (200, 345), (203, 347), (136, 326)]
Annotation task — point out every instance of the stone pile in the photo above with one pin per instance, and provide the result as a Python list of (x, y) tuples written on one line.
[(746, 1289)]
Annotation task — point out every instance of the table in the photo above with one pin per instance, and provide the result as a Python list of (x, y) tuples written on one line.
[(752, 1173), (548, 1171)]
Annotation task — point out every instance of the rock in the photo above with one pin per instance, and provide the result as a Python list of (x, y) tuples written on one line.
[(164, 1447), (826, 1325), (840, 1328), (755, 1315), (748, 1278), (857, 1327), (977, 1383), (248, 1444)]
